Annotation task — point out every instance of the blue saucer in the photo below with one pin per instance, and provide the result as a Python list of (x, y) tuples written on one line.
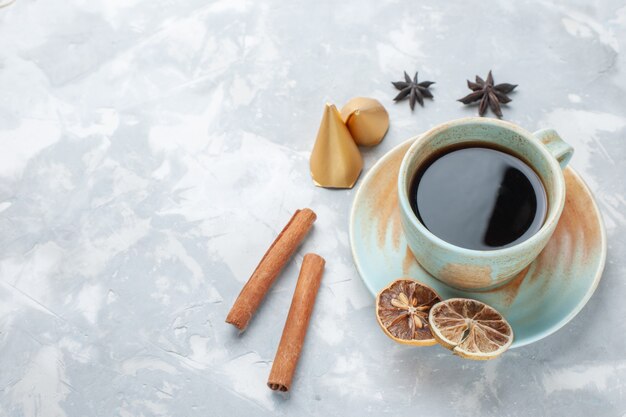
[(538, 302)]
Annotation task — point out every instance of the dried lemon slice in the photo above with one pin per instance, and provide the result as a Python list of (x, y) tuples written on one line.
[(402, 311), (469, 328)]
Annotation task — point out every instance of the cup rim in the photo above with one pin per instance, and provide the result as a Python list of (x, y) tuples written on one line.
[(553, 214)]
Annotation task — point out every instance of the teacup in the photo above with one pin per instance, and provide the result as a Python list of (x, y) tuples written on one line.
[(469, 269)]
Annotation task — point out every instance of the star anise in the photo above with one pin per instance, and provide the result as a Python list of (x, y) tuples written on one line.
[(490, 95), (413, 90)]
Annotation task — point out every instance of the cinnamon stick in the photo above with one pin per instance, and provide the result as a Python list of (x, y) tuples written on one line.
[(297, 322), (270, 266)]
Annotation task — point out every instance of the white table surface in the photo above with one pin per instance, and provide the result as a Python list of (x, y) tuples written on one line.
[(151, 150)]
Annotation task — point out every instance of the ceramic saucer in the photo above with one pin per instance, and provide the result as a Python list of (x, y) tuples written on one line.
[(539, 301)]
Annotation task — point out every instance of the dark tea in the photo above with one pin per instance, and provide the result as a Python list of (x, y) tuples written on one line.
[(478, 198)]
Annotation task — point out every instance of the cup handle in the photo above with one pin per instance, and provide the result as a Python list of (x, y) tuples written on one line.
[(556, 146)]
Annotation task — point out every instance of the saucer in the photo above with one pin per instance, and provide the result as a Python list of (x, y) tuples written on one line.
[(537, 302)]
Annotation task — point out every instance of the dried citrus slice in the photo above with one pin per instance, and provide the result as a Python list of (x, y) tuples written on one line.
[(402, 311), (469, 328)]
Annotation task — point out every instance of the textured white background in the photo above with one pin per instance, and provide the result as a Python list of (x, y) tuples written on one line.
[(151, 150)]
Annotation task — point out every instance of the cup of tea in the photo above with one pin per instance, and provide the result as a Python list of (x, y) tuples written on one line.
[(480, 198)]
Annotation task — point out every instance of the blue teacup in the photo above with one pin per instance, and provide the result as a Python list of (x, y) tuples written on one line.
[(469, 269)]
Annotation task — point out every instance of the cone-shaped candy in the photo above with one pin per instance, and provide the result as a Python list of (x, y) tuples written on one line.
[(367, 120), (335, 161)]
